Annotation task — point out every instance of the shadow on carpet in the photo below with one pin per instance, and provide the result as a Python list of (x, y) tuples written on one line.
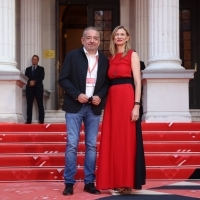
[(177, 187), (147, 197)]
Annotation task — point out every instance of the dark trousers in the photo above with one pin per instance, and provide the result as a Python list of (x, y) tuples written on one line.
[(38, 94)]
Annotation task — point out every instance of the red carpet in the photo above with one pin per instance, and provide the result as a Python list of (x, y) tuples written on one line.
[(147, 197), (36, 151)]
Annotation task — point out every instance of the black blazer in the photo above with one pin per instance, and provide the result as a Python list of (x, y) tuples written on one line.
[(38, 77), (73, 80)]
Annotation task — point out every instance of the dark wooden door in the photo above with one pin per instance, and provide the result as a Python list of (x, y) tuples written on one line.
[(190, 46), (72, 17)]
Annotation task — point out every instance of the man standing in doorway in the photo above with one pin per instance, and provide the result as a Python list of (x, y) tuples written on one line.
[(85, 83), (34, 89)]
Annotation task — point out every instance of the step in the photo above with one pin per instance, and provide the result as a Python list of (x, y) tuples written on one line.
[(38, 137), (57, 127), (180, 126), (56, 173), (12, 137), (58, 159), (54, 116), (39, 147), (172, 146), (26, 128), (171, 135), (59, 147), (172, 159), (61, 136)]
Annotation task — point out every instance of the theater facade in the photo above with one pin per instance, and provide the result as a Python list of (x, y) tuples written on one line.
[(165, 34)]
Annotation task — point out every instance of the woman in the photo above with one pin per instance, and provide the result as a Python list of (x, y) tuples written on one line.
[(121, 165)]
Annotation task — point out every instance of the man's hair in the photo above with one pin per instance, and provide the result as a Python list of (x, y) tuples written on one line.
[(90, 28), (35, 56)]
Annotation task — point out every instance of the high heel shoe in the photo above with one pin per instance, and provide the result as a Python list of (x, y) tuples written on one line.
[(120, 191)]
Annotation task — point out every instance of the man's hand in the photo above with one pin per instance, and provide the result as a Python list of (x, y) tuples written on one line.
[(32, 83), (83, 98), (96, 100)]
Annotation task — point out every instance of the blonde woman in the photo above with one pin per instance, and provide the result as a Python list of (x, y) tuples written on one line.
[(121, 164)]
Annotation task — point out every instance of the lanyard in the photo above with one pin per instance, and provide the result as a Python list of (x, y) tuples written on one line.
[(95, 64)]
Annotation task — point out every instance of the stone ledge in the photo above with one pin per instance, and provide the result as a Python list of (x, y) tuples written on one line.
[(13, 75), (167, 73)]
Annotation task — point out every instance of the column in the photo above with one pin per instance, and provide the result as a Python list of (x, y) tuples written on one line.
[(30, 31), (30, 41), (164, 34), (165, 81), (141, 29), (11, 79), (7, 36)]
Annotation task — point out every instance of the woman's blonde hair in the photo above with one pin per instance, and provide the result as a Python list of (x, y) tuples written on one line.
[(113, 48)]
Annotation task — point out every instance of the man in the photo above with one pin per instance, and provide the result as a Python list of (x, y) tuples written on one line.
[(34, 88), (84, 80)]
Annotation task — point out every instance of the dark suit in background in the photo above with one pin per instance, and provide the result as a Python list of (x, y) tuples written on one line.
[(35, 91), (142, 67)]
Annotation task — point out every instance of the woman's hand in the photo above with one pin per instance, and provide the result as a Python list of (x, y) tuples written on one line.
[(135, 113)]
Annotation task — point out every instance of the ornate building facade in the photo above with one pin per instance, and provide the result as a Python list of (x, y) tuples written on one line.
[(163, 32)]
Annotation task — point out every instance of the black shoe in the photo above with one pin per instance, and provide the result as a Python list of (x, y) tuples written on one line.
[(27, 122), (90, 187), (69, 190)]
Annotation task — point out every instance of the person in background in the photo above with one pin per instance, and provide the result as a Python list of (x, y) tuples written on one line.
[(142, 67), (34, 89), (85, 83), (121, 164)]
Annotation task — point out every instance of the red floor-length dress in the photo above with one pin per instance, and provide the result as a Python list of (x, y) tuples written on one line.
[(117, 155)]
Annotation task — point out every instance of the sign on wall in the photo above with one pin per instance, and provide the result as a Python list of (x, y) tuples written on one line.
[(49, 53)]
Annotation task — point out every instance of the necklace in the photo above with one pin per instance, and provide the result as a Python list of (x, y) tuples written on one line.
[(115, 71)]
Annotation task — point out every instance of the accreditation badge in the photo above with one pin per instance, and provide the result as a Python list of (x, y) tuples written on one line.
[(90, 82)]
